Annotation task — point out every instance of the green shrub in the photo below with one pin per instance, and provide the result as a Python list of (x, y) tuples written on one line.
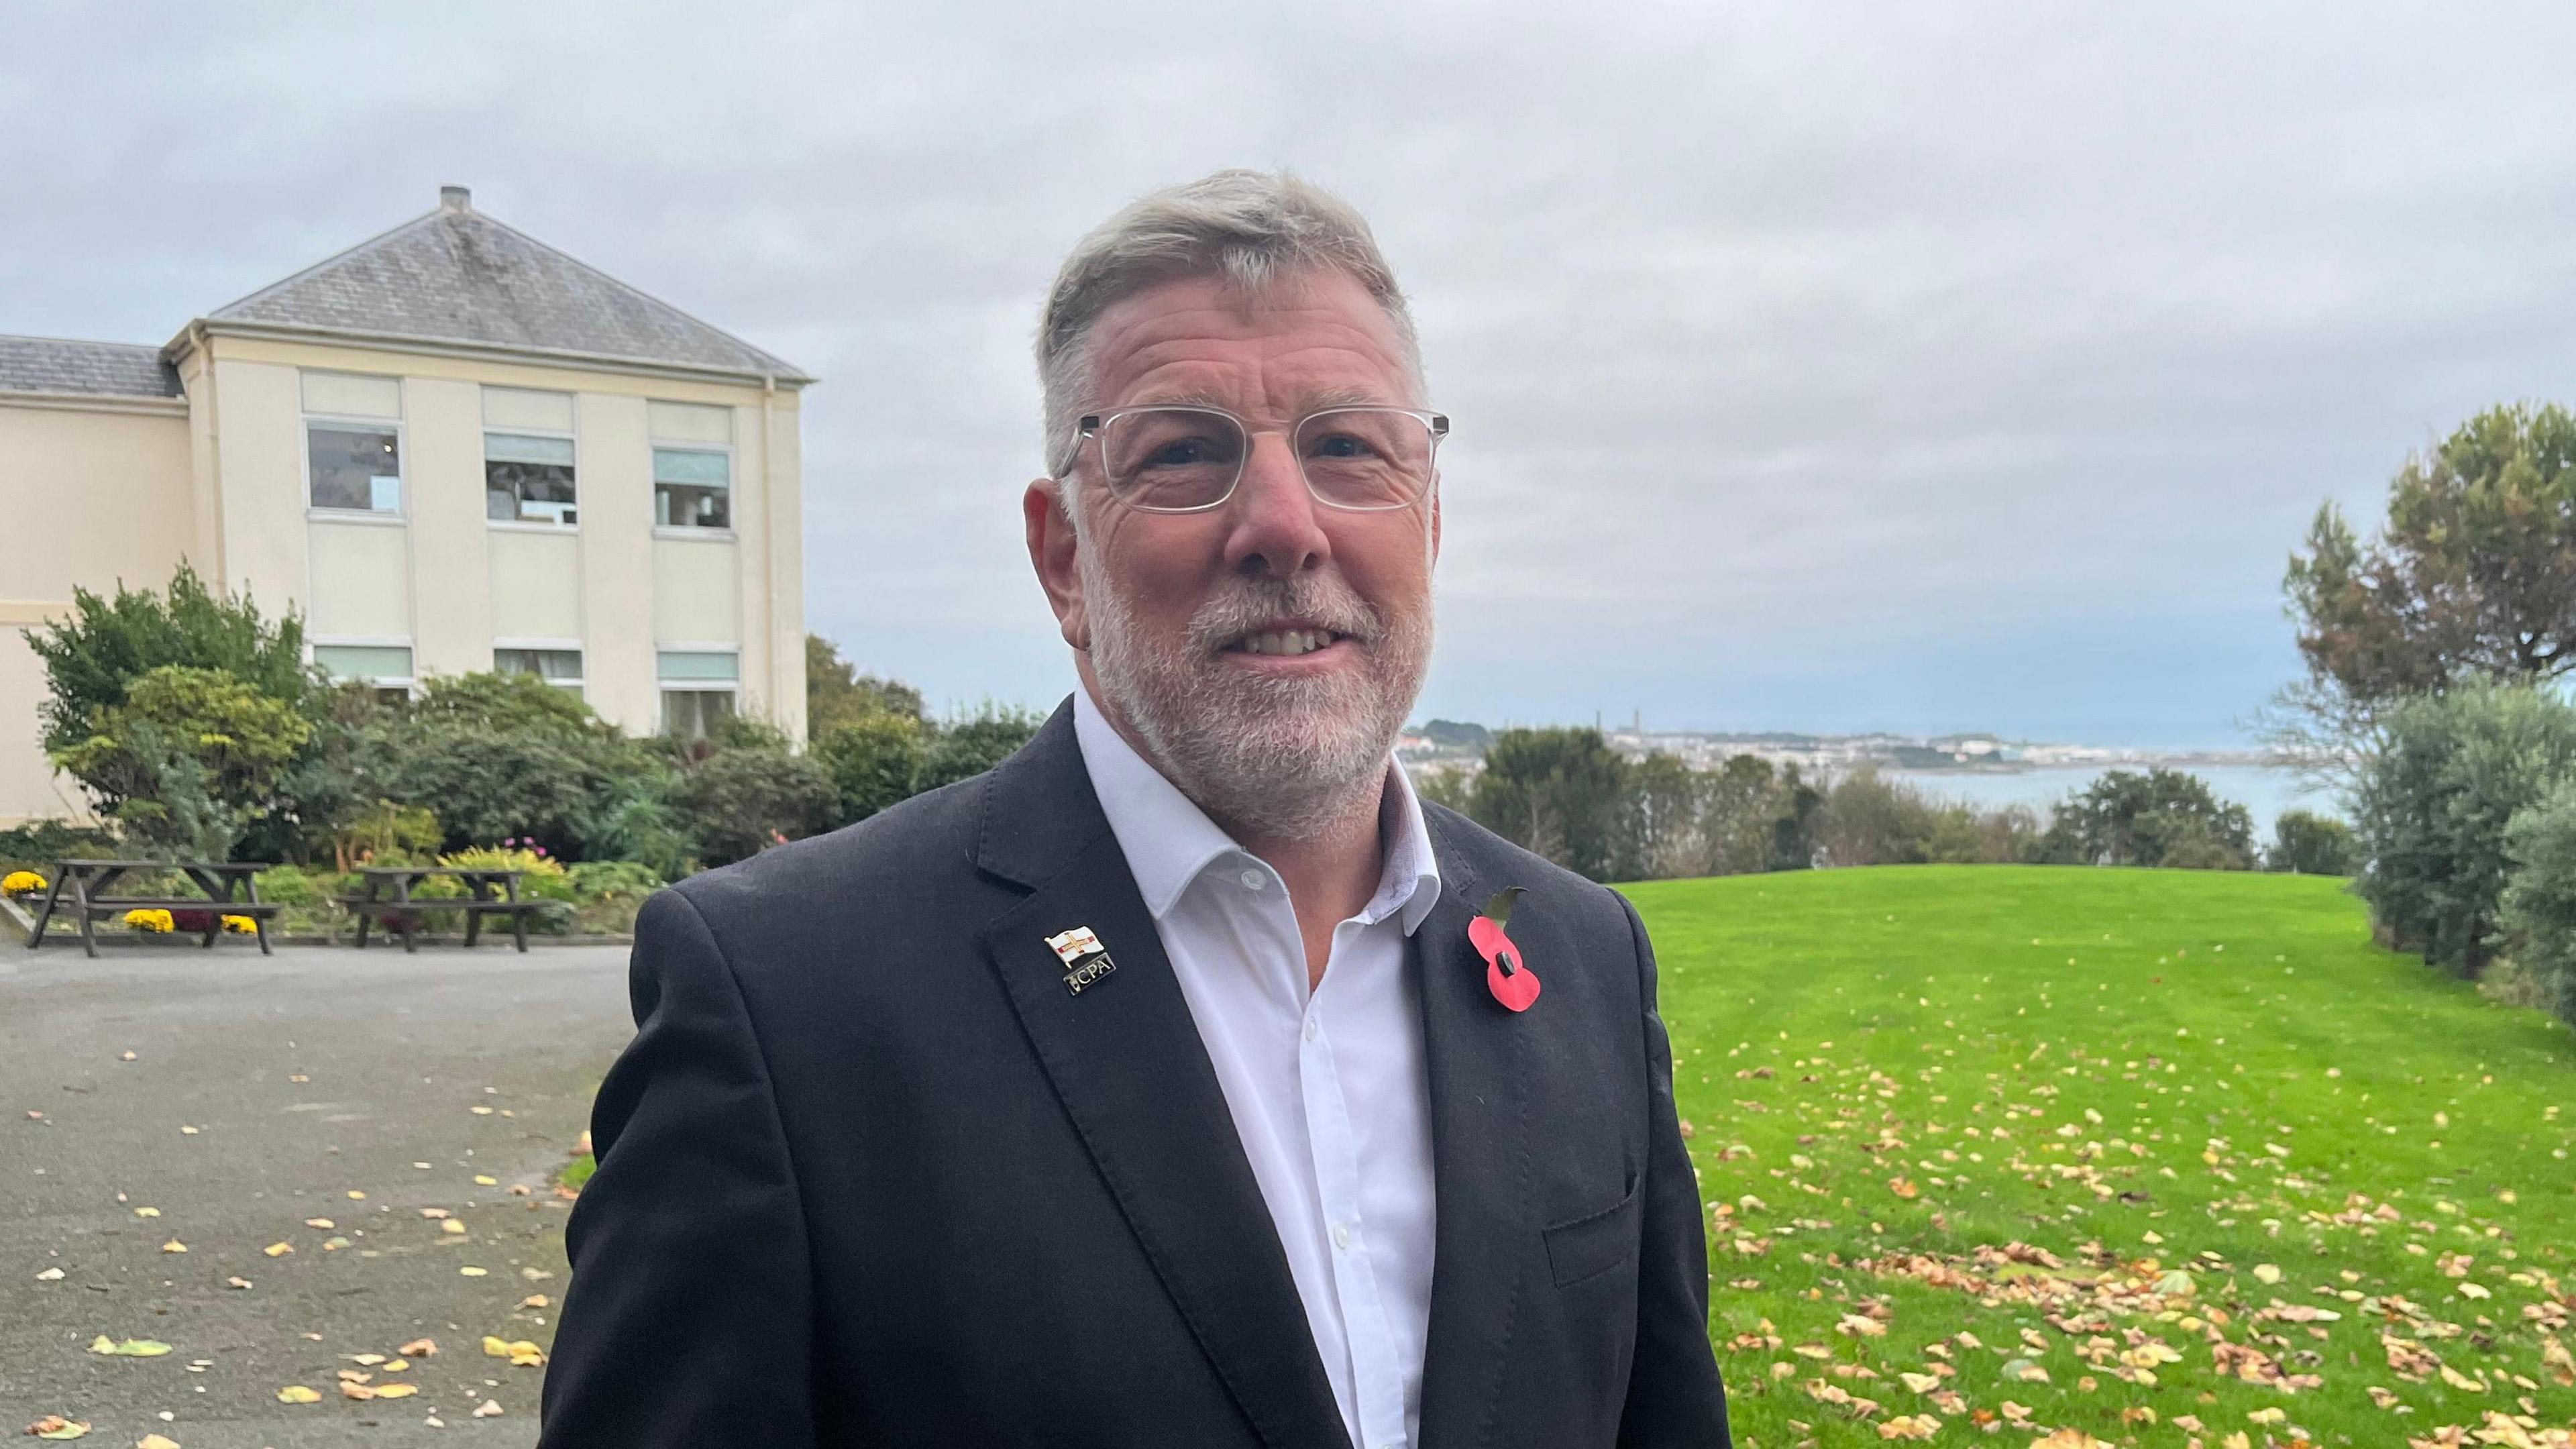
[(93, 657), (2537, 914), (1869, 820), (2307, 843), (187, 760), (971, 745), (290, 885), (874, 760), (42, 842), (746, 791), (1556, 793), (612, 880), (2432, 806)]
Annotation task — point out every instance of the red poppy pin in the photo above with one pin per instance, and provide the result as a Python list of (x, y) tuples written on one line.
[(1507, 975)]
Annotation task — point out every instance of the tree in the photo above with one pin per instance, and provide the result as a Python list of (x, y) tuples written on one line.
[(188, 759), (2472, 575), (1868, 820), (93, 657), (2307, 843), (1741, 801), (2432, 805), (2536, 915), (836, 694), (2163, 817), (1666, 809), (1556, 793)]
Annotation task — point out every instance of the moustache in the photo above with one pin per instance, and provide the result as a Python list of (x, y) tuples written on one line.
[(1256, 604)]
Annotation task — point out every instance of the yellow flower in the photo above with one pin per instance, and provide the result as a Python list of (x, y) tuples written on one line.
[(155, 920), (21, 883), (240, 925)]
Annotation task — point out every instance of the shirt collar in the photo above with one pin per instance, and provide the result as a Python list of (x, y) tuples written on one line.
[(1169, 840)]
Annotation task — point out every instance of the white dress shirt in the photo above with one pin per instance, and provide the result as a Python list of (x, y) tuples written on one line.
[(1327, 1088)]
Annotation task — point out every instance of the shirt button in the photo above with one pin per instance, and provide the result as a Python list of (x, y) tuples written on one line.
[(1311, 1028), (1341, 1235), (1251, 880)]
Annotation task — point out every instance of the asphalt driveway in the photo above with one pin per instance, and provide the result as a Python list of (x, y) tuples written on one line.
[(395, 1122)]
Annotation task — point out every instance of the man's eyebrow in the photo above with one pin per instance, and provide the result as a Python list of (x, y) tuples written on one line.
[(1332, 397)]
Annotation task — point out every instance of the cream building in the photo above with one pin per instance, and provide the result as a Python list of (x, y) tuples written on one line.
[(451, 448)]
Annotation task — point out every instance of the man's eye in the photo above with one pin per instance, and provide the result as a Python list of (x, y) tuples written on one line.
[(1181, 453), (1341, 445)]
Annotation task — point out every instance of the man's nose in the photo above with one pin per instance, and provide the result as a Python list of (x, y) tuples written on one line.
[(1276, 531)]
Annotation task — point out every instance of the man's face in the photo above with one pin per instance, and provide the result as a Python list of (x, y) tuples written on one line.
[(1199, 631)]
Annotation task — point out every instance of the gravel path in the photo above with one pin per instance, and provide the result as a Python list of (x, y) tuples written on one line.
[(371, 1090)]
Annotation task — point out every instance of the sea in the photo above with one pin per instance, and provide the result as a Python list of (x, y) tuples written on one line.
[(2264, 791)]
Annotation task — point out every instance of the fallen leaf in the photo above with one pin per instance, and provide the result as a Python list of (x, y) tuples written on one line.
[(174, 1246), (50, 1275), (488, 1409), (419, 1348), (155, 1441), (452, 1225), (128, 1348), (349, 1390), (396, 1391), (1910, 1426), (474, 1272), (55, 1426), (298, 1394), (481, 1181), (2266, 1273), (324, 1223), (278, 1250), (236, 1282)]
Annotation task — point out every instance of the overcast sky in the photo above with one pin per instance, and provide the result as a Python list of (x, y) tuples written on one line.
[(1826, 367)]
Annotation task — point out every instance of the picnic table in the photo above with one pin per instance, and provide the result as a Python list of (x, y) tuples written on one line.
[(88, 889), (388, 899)]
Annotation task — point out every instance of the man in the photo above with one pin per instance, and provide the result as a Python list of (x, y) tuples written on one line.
[(1162, 1086)]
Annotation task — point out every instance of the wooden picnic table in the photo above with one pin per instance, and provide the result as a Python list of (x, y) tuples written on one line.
[(404, 908), (88, 889)]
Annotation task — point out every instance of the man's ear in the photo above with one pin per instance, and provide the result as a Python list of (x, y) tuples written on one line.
[(1046, 514)]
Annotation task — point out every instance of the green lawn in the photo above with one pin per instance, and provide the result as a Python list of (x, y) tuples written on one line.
[(2157, 1157)]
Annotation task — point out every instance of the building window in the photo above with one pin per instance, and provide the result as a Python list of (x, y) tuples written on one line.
[(558, 667), (353, 442), (386, 667), (692, 488), (528, 456), (357, 467), (528, 478), (697, 690)]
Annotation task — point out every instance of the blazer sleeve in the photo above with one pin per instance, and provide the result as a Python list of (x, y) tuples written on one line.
[(1674, 1396), (689, 1318)]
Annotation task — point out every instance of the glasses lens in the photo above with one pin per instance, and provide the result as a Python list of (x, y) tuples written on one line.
[(1366, 457), (1171, 458)]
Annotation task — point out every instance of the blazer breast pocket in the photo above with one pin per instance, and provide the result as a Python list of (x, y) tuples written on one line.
[(1590, 1246)]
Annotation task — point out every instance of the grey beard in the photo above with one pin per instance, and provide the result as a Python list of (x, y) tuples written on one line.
[(1280, 759)]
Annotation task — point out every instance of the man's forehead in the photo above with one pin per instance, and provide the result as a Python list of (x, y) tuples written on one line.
[(1313, 340)]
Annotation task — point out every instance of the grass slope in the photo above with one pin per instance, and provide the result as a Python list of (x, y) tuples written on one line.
[(2035, 1150)]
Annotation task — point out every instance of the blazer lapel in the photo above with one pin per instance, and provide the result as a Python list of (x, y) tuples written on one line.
[(1480, 1164), (1126, 1059)]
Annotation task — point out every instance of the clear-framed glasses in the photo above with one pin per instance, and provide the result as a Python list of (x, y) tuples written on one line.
[(1187, 459)]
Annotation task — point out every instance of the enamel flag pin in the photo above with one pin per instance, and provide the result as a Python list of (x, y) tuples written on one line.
[(1085, 959), (1506, 974)]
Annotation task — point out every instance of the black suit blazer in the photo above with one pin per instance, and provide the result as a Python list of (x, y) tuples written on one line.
[(870, 1174)]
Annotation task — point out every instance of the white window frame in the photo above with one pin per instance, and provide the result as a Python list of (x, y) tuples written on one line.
[(523, 525), (402, 450), (662, 686), (733, 489), (579, 686), (408, 684)]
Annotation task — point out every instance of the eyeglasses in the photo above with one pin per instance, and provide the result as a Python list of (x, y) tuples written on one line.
[(1181, 459)]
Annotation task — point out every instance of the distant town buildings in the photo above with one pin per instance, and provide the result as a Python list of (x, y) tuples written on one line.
[(451, 448)]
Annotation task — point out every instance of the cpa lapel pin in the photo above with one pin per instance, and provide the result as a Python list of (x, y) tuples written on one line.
[(1506, 974), (1085, 959)]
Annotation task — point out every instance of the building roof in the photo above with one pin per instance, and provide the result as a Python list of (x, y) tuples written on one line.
[(85, 369), (457, 276)]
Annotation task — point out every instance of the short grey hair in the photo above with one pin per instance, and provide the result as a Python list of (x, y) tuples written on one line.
[(1253, 229)]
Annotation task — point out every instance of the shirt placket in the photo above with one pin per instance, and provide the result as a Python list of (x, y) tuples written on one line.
[(1377, 1386)]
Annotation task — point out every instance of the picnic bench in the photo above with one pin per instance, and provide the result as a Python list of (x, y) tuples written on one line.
[(87, 888), (388, 900)]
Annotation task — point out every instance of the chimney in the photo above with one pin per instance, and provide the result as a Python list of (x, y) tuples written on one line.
[(455, 198)]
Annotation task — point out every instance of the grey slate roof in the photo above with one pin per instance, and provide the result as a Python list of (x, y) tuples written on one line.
[(89, 369), (456, 275)]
